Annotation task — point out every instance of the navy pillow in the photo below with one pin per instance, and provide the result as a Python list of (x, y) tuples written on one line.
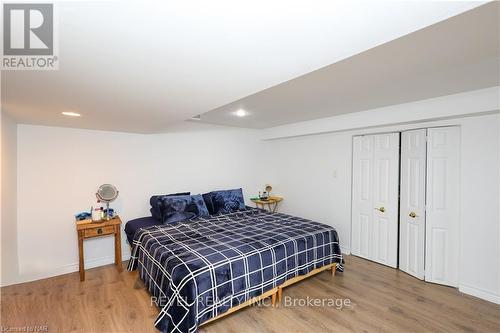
[(207, 197), (227, 201), (155, 202), (200, 203), (182, 207)]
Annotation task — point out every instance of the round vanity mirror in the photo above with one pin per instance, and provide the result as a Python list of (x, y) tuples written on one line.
[(107, 193)]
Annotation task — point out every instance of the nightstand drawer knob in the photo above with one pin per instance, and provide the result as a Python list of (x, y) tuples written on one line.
[(99, 231)]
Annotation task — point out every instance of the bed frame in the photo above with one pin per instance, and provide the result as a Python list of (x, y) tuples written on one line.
[(275, 293)]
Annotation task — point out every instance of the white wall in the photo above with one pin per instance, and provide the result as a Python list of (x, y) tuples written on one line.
[(59, 170), (9, 258), (480, 221), (313, 173)]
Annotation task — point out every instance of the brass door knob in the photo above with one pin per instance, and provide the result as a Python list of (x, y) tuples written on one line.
[(381, 209), (412, 215)]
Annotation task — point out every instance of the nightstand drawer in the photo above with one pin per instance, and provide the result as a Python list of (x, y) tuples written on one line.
[(99, 231)]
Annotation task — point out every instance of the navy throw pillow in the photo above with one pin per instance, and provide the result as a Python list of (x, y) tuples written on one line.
[(207, 197), (182, 207), (228, 201), (200, 203), (155, 202)]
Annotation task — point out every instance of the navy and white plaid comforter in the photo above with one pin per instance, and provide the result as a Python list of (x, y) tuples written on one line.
[(200, 268)]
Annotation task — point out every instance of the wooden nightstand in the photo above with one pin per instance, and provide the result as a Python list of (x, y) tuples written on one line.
[(271, 203), (90, 229)]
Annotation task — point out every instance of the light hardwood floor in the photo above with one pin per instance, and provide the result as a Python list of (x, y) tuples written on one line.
[(382, 300)]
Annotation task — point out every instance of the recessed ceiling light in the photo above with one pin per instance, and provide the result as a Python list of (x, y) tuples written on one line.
[(197, 117), (71, 114), (241, 113)]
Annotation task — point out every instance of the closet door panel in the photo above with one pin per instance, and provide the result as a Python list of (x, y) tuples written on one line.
[(385, 199), (375, 197), (362, 196), (412, 203), (442, 205)]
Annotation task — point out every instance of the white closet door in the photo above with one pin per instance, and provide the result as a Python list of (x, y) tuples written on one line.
[(412, 203), (375, 197), (385, 209), (442, 217), (362, 196)]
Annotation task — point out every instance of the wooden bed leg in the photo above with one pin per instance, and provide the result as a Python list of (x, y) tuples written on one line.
[(280, 295), (273, 300), (334, 269)]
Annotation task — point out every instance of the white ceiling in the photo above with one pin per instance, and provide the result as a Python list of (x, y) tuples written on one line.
[(145, 66), (457, 55)]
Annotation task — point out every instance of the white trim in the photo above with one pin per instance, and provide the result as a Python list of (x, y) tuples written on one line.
[(479, 292), (345, 250), (66, 269)]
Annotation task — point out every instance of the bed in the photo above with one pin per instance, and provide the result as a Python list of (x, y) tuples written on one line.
[(203, 268), (135, 225)]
